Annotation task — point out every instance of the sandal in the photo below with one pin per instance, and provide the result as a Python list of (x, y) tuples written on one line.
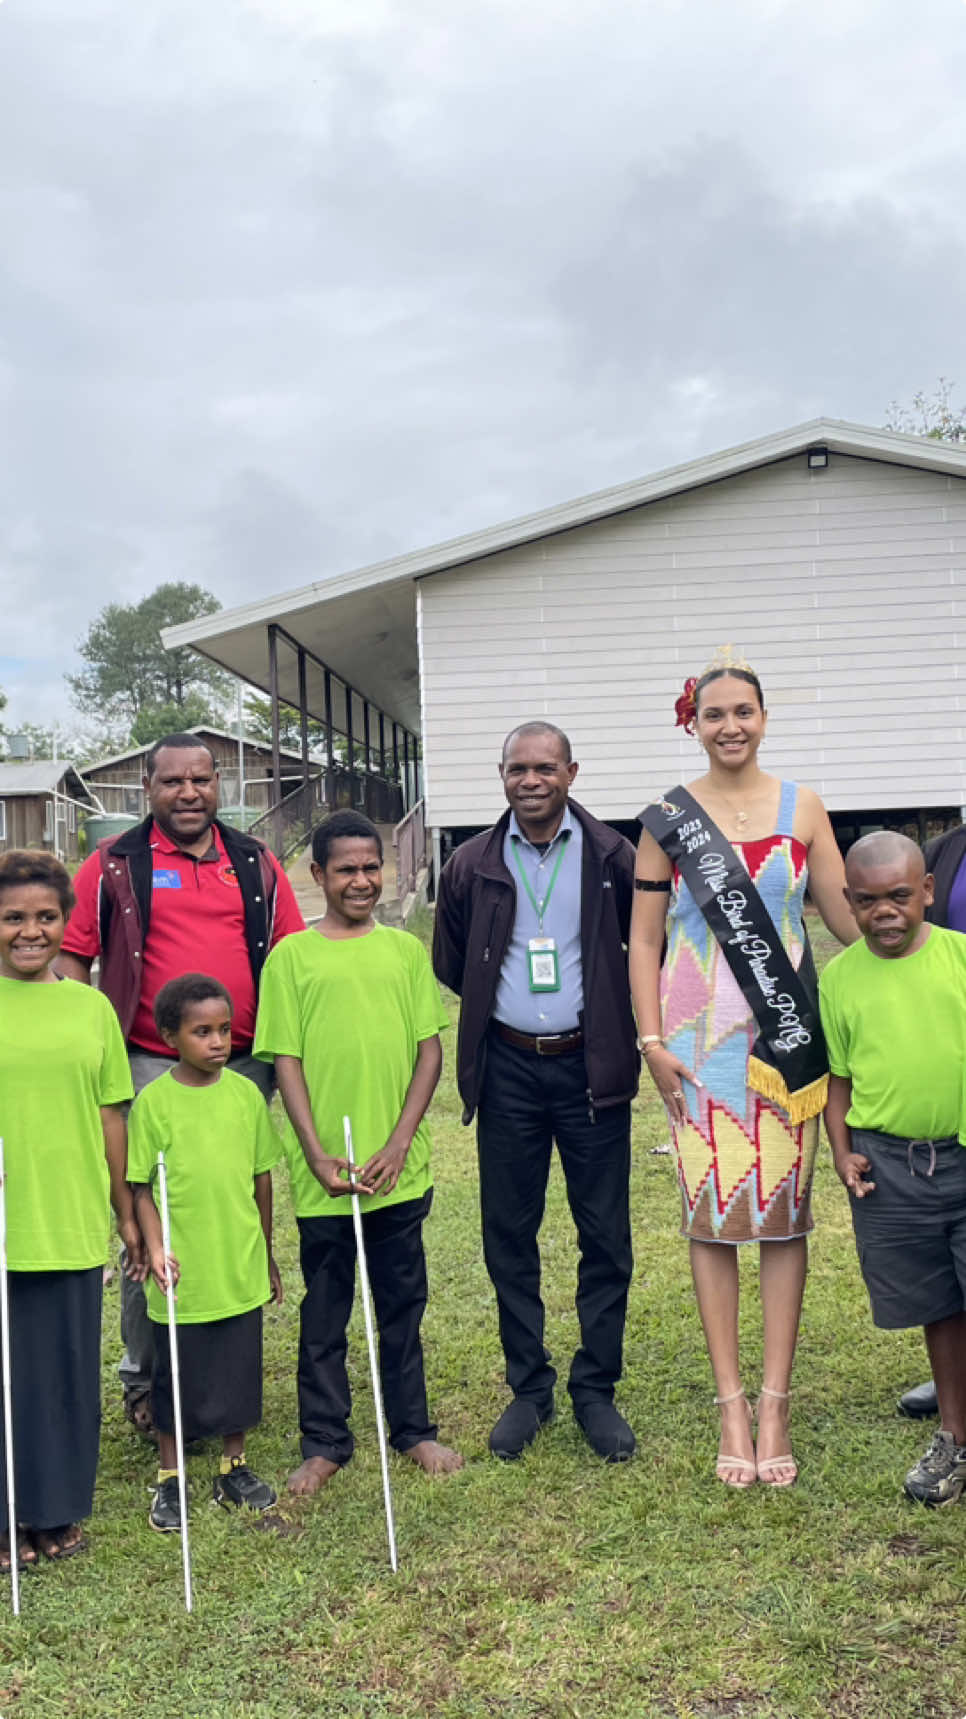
[(747, 1467), (54, 1544), (766, 1465), (26, 1552)]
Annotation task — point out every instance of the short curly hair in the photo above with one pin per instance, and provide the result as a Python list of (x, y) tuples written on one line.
[(20, 866), (178, 994)]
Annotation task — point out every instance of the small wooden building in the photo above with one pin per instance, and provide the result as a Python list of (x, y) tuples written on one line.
[(118, 781), (41, 806)]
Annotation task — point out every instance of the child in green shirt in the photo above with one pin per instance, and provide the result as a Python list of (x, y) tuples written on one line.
[(219, 1148), (351, 1014), (894, 1016)]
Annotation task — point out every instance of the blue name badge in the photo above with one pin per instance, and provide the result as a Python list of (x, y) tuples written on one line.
[(167, 880)]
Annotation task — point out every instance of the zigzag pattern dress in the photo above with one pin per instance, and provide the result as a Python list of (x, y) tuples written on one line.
[(745, 1171)]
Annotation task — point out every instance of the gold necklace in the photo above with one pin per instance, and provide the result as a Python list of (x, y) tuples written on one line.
[(740, 817)]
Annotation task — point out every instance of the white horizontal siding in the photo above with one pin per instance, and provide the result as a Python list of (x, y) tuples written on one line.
[(845, 588)]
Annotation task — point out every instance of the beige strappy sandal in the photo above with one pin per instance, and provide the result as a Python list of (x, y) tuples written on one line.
[(748, 1468), (765, 1466)]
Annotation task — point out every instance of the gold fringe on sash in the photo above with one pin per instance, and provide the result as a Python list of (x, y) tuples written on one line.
[(807, 1101)]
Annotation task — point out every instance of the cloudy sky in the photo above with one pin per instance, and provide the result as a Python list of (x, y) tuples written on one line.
[(287, 286)]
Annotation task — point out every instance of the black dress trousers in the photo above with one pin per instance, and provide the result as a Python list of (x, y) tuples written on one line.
[(527, 1102)]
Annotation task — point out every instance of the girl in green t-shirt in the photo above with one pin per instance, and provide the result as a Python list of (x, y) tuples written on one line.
[(64, 1077), (219, 1148)]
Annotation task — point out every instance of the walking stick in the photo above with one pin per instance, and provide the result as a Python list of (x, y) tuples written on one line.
[(7, 1404), (371, 1340), (175, 1381)]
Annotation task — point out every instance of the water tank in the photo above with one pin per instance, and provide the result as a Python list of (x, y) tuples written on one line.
[(18, 746), (239, 817), (106, 824)]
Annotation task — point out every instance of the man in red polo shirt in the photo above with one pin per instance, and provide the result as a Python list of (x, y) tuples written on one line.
[(179, 893)]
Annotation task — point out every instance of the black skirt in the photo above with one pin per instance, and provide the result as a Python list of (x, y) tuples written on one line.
[(221, 1377), (55, 1366)]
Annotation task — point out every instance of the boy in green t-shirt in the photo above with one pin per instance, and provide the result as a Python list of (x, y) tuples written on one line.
[(894, 1015), (219, 1149), (351, 1014)]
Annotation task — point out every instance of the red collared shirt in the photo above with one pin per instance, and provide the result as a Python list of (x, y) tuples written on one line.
[(197, 926)]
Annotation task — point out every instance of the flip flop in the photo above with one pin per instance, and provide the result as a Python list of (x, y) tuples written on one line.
[(49, 1541), (24, 1544)]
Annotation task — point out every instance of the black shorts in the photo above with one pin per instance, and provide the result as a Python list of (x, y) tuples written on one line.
[(911, 1232)]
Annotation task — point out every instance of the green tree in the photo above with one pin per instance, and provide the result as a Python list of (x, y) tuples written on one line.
[(129, 669), (154, 720), (932, 415)]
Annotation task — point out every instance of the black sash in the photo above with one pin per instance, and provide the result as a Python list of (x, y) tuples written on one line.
[(788, 1063)]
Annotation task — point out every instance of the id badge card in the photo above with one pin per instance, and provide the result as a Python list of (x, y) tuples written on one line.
[(543, 964)]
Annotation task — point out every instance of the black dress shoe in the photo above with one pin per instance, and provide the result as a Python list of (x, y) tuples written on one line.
[(605, 1430), (518, 1426), (919, 1403)]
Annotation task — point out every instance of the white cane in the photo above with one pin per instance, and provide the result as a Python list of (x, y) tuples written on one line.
[(175, 1381), (7, 1404), (371, 1340)]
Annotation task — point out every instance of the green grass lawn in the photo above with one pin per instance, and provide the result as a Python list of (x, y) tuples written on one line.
[(556, 1586)]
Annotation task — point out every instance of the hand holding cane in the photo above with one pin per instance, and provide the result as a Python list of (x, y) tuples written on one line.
[(371, 1341), (7, 1404), (175, 1379)]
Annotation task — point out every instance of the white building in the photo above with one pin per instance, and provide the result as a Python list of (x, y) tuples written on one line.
[(832, 555)]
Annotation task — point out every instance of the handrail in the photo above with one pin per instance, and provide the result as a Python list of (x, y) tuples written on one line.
[(287, 826), (409, 841)]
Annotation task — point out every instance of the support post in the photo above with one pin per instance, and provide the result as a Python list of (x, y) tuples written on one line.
[(382, 744), (350, 745), (365, 730), (304, 718), (406, 799), (329, 753), (276, 731)]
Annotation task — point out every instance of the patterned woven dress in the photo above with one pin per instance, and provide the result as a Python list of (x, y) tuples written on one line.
[(744, 1169)]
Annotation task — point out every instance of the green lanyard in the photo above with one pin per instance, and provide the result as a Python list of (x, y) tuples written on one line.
[(537, 908)]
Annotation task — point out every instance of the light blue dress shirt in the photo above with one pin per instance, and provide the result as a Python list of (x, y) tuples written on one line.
[(516, 1005)]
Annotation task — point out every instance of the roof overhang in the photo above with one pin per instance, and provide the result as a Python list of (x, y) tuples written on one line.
[(363, 624)]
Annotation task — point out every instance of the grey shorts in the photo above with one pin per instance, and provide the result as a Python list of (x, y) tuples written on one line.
[(911, 1232)]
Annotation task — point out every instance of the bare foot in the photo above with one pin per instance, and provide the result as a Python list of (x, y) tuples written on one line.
[(312, 1475), (776, 1465), (434, 1458), (736, 1452)]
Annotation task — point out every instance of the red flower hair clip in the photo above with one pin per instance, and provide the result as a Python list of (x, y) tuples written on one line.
[(685, 709)]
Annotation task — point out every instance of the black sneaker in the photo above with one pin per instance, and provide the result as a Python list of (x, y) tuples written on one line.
[(241, 1487), (165, 1512)]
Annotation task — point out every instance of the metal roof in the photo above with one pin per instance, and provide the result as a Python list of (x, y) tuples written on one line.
[(200, 729), (42, 776), (363, 623)]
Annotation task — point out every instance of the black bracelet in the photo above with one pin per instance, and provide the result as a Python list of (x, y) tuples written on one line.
[(663, 883)]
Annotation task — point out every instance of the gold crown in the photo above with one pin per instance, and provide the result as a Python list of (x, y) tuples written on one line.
[(726, 657)]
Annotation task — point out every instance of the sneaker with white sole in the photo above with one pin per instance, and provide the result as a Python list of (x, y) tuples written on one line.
[(938, 1477), (165, 1512)]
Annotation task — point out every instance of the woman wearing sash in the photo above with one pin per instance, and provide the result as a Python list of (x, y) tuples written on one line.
[(729, 1029)]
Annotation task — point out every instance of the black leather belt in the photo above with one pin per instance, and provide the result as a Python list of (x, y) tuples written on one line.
[(543, 1044)]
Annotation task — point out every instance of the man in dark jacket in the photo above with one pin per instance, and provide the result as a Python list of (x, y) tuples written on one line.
[(179, 893), (532, 919)]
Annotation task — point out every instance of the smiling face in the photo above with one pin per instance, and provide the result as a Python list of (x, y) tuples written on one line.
[(730, 722), (351, 879), (889, 901), (32, 925), (203, 1037), (183, 792), (536, 779)]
